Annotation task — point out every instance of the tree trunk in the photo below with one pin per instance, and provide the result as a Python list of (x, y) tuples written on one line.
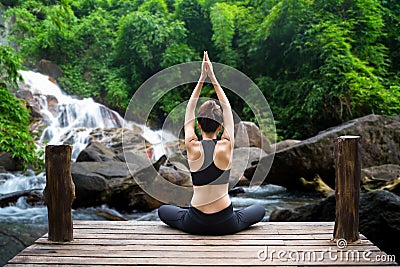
[(59, 192), (347, 190)]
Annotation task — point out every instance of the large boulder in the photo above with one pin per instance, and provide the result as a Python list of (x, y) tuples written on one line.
[(243, 158), (97, 152), (91, 179), (247, 134), (284, 144), (379, 217), (380, 144), (117, 183)]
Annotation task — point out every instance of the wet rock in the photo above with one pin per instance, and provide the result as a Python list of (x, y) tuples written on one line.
[(380, 144)]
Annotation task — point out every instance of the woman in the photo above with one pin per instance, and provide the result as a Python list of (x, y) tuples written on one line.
[(211, 211)]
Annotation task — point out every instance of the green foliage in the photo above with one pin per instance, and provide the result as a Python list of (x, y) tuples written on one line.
[(14, 117), (318, 62)]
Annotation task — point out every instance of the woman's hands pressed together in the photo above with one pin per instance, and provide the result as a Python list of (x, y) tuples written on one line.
[(207, 69)]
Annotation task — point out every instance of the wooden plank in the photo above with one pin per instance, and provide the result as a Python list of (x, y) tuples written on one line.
[(127, 236), (189, 261), (194, 254), (289, 225), (153, 244), (168, 242), (138, 248)]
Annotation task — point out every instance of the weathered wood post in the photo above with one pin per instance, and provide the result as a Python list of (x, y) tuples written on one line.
[(347, 190), (59, 192)]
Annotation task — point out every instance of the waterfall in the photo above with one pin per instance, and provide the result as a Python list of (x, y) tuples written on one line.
[(70, 120)]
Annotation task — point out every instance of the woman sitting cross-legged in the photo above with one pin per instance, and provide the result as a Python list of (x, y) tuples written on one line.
[(211, 211)]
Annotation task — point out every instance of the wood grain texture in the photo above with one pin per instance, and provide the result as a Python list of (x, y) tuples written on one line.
[(59, 192), (103, 243), (347, 187)]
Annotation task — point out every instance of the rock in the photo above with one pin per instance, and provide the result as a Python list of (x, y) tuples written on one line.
[(36, 129), (387, 172), (176, 176), (323, 211), (236, 191), (284, 144), (112, 138), (133, 158), (247, 134), (379, 217), (243, 158), (48, 68), (9, 163), (107, 169), (111, 182), (52, 105), (243, 181), (88, 186), (179, 157), (96, 152), (32, 105), (16, 236), (126, 195), (380, 144)]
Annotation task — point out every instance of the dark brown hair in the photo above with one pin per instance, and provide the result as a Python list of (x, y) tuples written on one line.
[(209, 116)]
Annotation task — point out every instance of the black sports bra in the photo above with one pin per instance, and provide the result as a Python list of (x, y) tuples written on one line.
[(208, 172)]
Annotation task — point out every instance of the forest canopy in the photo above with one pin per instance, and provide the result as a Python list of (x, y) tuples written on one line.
[(318, 62)]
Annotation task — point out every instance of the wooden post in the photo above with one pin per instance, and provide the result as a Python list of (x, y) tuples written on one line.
[(347, 190), (59, 192)]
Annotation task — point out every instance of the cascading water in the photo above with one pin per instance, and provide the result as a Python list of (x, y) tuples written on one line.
[(67, 120), (70, 120)]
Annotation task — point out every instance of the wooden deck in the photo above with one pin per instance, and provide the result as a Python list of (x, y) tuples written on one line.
[(100, 243)]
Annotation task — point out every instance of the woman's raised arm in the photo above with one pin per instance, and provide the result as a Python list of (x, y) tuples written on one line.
[(189, 128), (228, 133)]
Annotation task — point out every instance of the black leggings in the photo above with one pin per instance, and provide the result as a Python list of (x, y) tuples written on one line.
[(226, 221)]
